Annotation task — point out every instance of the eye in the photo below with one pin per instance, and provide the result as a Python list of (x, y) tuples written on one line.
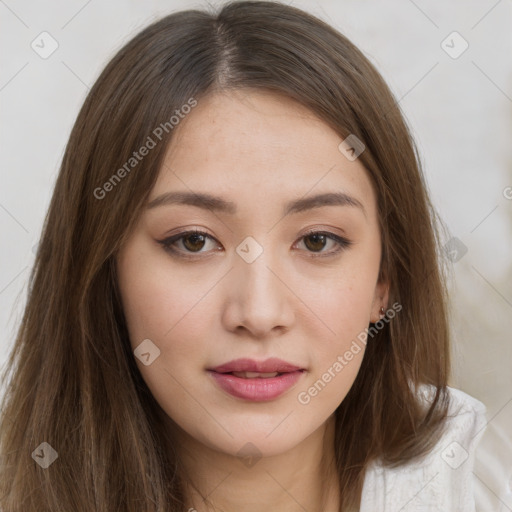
[(315, 242), (192, 242)]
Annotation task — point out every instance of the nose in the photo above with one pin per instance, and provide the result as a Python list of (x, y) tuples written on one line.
[(259, 299)]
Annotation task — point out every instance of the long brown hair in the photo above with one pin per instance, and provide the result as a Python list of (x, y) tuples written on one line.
[(71, 377)]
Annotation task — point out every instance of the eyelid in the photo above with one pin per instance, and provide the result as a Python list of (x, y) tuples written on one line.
[(167, 243), (341, 241)]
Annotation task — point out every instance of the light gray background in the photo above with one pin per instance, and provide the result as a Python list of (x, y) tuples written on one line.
[(459, 110)]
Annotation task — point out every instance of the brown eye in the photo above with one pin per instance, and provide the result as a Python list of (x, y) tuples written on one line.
[(317, 241), (194, 242), (187, 243)]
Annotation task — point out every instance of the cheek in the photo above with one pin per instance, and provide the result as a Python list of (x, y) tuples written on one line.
[(157, 302), (168, 308), (343, 299), (336, 358), (344, 307)]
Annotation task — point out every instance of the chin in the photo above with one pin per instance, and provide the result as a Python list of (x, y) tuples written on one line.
[(266, 437), (255, 445)]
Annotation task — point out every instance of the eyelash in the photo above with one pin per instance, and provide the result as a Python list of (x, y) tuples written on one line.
[(168, 243)]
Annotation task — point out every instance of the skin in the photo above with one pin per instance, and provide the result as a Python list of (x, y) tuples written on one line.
[(258, 150)]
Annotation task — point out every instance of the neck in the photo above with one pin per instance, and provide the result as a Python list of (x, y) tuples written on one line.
[(303, 478)]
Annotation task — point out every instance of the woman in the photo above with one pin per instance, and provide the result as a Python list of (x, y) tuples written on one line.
[(236, 302)]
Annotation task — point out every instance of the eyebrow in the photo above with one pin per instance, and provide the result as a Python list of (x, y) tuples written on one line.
[(215, 203)]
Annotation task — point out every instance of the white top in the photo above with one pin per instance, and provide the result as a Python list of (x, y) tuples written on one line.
[(443, 480)]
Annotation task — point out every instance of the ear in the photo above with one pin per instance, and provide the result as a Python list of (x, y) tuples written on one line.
[(380, 299)]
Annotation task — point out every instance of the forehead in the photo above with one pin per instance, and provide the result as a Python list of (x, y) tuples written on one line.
[(259, 146)]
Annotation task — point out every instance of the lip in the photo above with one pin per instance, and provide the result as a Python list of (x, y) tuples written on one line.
[(256, 389), (250, 365)]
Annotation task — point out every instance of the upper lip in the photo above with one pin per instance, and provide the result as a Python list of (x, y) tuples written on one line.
[(250, 365)]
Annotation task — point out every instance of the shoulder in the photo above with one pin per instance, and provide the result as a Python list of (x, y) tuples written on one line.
[(443, 480)]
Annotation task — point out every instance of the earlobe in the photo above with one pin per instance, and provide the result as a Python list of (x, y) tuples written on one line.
[(380, 301)]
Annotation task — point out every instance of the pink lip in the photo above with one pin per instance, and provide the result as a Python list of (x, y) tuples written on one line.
[(256, 389), (250, 365)]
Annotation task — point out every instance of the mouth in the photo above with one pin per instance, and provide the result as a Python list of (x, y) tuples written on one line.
[(256, 381), (255, 375), (269, 366)]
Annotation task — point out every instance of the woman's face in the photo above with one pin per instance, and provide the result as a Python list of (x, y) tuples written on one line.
[(210, 314)]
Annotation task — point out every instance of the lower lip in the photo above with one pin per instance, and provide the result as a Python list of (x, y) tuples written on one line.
[(256, 390)]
